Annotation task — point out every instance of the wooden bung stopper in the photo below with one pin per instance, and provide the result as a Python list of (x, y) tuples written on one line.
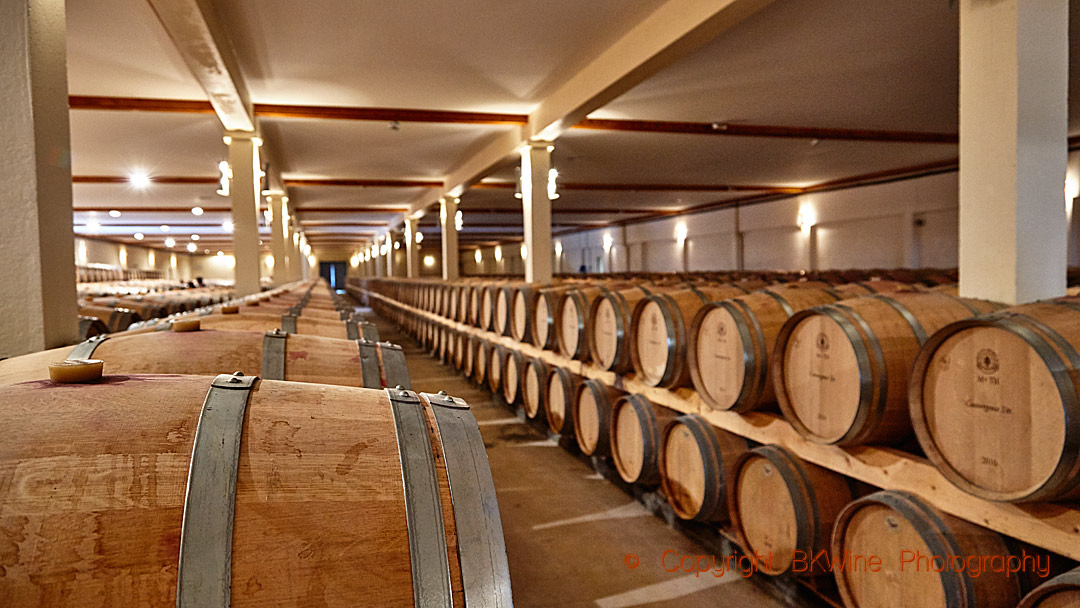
[(76, 371), (182, 325)]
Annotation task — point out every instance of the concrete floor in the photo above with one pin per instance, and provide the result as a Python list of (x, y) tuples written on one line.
[(570, 534)]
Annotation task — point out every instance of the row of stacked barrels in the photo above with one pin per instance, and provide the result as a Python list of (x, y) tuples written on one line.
[(119, 312), (115, 463), (992, 401)]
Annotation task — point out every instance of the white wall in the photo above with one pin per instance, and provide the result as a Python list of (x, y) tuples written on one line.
[(867, 227)]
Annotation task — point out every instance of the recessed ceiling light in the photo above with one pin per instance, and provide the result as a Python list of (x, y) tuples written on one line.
[(139, 179), (170, 242), (196, 211), (227, 225), (93, 225), (194, 237), (191, 247), (206, 251), (139, 236), (114, 213), (164, 228), (220, 253)]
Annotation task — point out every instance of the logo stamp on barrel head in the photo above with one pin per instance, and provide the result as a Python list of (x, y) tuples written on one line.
[(987, 361)]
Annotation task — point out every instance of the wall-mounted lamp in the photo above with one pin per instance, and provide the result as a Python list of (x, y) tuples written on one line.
[(558, 248), (552, 187), (608, 242), (429, 260), (806, 218), (479, 257), (498, 253), (524, 251), (419, 237), (680, 233), (459, 221)]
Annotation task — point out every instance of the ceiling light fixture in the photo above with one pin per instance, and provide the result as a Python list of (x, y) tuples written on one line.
[(194, 237), (139, 236), (139, 179), (227, 226), (552, 187), (196, 211), (419, 237), (165, 228), (220, 254), (170, 242), (114, 213), (93, 226), (459, 221), (191, 247)]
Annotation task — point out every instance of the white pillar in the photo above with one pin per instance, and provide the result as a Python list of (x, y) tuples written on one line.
[(279, 232), (245, 191), (412, 254), (536, 206), (37, 244), (1014, 77), (448, 206)]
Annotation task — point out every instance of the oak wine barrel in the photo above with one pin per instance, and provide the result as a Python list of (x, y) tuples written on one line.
[(637, 427), (534, 387), (489, 295), (897, 528), (659, 334), (573, 322), (1062, 591), (468, 358), (696, 464), (841, 371), (730, 343), (522, 310), (297, 358), (209, 503), (513, 375), (504, 304), (995, 402), (483, 359), (785, 508), (496, 366), (255, 321), (559, 398), (609, 335), (116, 319), (591, 417), (546, 317)]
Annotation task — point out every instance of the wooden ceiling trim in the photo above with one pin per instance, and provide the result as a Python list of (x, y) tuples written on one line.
[(745, 130), (156, 179), (362, 183)]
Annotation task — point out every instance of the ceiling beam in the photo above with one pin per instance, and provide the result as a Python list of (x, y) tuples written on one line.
[(82, 102), (205, 48), (674, 30), (150, 209), (389, 210), (362, 183), (744, 130), (156, 179), (639, 187)]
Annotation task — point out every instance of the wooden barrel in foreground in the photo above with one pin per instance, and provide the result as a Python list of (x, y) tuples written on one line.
[(898, 528), (534, 387), (841, 371), (637, 425), (731, 340), (659, 337), (278, 356), (696, 465), (210, 504), (995, 402), (254, 321), (785, 508), (1062, 591), (559, 399), (591, 417), (513, 375)]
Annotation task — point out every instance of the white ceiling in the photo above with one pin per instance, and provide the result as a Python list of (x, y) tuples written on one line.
[(854, 64), (471, 55)]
